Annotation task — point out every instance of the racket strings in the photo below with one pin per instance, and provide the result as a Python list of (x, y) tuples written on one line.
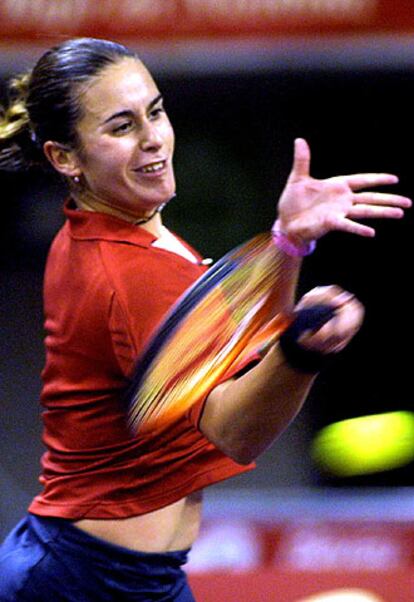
[(231, 313)]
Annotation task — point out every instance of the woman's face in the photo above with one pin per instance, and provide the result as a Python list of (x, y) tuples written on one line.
[(127, 139)]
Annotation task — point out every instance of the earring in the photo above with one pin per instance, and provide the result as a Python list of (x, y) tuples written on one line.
[(76, 179)]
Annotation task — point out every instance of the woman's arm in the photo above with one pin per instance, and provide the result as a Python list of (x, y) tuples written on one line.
[(242, 417)]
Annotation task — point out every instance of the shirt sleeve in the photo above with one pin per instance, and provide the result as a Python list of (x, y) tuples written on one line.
[(123, 344)]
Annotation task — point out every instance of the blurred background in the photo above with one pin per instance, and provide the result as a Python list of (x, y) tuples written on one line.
[(241, 80)]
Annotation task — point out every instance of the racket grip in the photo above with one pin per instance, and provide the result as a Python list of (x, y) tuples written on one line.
[(306, 360)]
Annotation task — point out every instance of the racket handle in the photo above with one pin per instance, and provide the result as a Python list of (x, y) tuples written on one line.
[(306, 360)]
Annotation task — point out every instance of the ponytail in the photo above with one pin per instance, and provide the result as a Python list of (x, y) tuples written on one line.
[(18, 147), (45, 104)]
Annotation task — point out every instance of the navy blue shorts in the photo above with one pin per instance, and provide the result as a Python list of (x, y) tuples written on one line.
[(48, 559)]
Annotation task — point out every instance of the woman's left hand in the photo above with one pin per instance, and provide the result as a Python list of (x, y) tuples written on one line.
[(309, 208)]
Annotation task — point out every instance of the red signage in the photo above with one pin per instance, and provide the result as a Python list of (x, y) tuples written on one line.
[(293, 561), (272, 585), (44, 20), (243, 544)]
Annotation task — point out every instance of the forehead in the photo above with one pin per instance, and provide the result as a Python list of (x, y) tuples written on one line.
[(125, 85)]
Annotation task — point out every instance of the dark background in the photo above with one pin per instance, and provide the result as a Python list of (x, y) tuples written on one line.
[(235, 136)]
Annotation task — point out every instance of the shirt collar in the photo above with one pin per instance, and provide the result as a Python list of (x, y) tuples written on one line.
[(92, 225)]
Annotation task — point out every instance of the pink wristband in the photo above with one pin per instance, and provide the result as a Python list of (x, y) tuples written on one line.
[(295, 248)]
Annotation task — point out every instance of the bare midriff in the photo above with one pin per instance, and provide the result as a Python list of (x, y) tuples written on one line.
[(174, 527)]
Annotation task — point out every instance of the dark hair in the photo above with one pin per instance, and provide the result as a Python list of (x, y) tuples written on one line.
[(44, 103)]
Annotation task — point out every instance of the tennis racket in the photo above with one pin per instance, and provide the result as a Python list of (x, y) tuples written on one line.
[(230, 315)]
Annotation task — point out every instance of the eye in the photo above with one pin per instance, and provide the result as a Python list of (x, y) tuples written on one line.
[(123, 127), (156, 112)]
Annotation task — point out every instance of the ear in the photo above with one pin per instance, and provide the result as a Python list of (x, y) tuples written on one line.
[(63, 159)]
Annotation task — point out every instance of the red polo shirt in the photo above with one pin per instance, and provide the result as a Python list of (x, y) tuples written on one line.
[(106, 290)]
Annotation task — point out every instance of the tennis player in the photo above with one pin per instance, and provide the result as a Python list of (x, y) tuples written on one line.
[(118, 513)]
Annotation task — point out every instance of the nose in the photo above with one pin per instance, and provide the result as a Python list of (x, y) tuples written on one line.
[(150, 139)]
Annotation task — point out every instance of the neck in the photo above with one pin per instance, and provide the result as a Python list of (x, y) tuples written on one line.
[(150, 220)]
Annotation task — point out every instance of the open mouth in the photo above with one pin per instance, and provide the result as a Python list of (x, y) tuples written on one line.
[(155, 167)]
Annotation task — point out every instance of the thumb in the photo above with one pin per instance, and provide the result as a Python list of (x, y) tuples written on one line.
[(301, 160)]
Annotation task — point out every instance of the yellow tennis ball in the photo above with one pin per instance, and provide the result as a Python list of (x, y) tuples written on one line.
[(364, 445)]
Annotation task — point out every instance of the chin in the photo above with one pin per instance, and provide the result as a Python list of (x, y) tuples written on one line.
[(161, 199)]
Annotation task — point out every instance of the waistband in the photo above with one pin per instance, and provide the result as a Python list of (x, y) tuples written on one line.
[(62, 532)]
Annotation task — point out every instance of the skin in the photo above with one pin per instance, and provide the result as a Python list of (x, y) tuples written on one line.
[(245, 416), (122, 130)]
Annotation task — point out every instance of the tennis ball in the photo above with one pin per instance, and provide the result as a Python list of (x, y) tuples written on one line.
[(365, 445)]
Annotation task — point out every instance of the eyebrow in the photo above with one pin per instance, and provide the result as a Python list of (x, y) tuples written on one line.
[(128, 113)]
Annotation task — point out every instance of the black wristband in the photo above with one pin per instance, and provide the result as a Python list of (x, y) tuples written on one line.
[(306, 360)]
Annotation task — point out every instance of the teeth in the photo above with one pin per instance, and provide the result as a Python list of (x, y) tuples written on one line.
[(153, 167)]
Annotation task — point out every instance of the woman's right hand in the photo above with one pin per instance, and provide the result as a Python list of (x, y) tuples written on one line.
[(335, 334)]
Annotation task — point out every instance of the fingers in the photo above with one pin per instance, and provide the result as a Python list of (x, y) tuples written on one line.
[(364, 205), (369, 211), (325, 295), (350, 227), (301, 161), (379, 198), (373, 205), (378, 205), (310, 208), (364, 180), (335, 334), (335, 222)]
